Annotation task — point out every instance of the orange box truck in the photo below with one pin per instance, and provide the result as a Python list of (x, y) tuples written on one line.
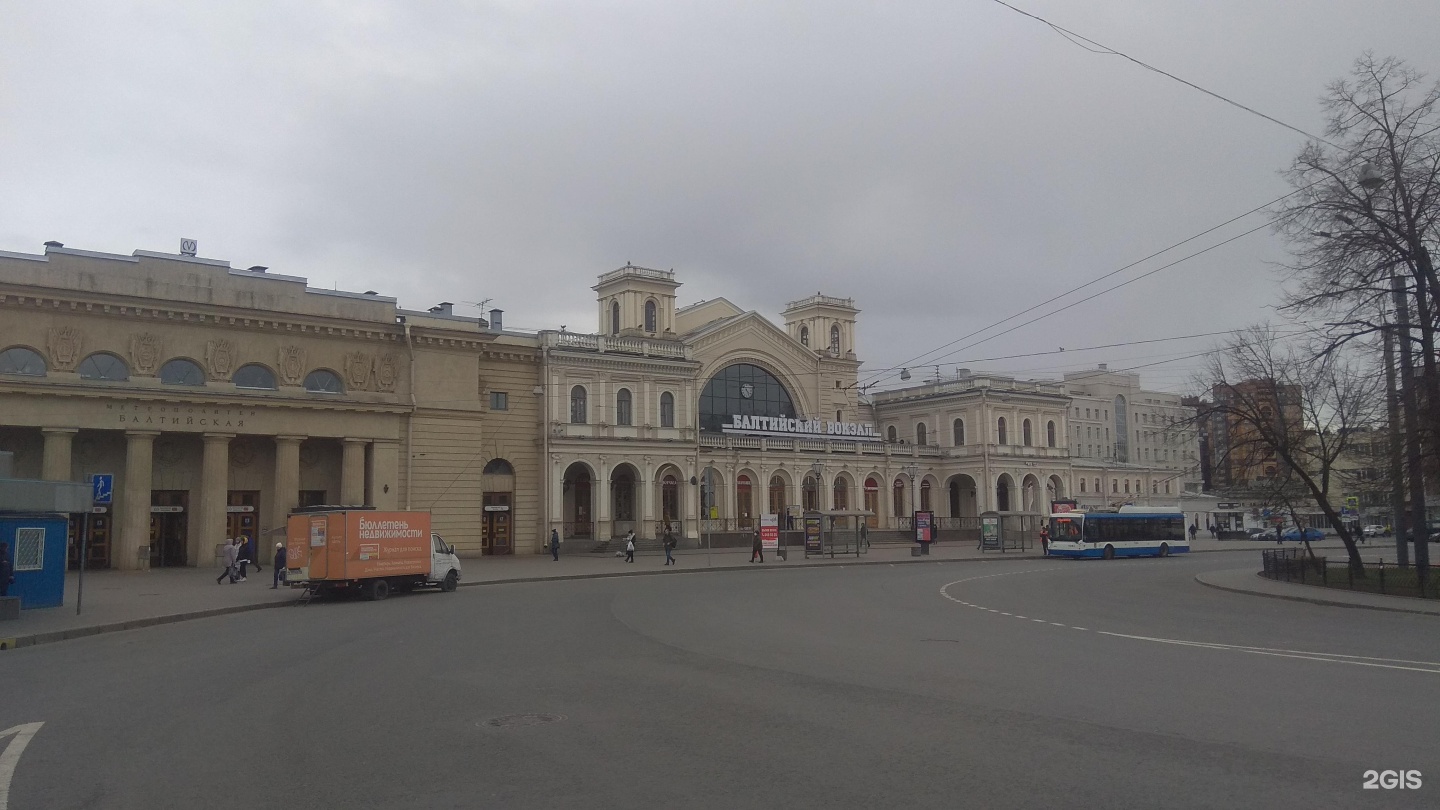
[(335, 549)]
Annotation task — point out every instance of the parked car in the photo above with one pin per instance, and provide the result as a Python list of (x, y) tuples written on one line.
[(1375, 530), (1311, 535), (1260, 534)]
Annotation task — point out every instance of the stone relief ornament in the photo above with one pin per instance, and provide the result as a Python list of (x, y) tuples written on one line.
[(220, 357), (291, 364), (386, 372), (357, 370), (65, 344), (145, 352), (242, 453)]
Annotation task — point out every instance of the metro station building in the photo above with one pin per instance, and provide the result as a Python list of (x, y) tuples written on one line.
[(223, 398)]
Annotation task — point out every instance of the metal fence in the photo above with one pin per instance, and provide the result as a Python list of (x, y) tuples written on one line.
[(1293, 565)]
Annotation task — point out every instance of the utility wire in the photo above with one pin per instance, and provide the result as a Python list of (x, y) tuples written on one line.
[(1106, 50)]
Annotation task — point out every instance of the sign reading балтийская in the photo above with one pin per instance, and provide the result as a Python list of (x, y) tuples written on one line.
[(788, 428)]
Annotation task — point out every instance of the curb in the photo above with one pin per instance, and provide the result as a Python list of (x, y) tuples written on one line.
[(18, 642), (1316, 600)]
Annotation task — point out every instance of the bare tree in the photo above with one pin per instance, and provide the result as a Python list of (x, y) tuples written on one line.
[(1290, 414)]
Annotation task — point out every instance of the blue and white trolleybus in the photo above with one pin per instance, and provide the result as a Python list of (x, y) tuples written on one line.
[(1134, 531)]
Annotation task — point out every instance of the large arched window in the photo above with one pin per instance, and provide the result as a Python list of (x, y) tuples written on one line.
[(1049, 434), (578, 409), (898, 497), (924, 496), (744, 500), (1025, 432), (805, 335), (745, 390), (623, 415), (182, 372), (835, 339), (872, 502), (777, 495), (254, 375), (919, 432), (958, 432), (103, 366), (20, 360), (810, 494), (842, 493), (890, 434), (650, 317), (324, 381), (667, 410), (1000, 431), (614, 317)]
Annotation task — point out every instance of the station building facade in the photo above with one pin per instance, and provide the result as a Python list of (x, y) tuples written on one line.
[(223, 398)]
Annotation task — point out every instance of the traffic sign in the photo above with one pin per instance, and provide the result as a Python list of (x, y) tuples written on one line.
[(102, 487)]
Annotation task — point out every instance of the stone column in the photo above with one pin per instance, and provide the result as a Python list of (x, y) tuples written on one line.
[(56, 464), (600, 500), (385, 476), (209, 529), (135, 502), (287, 485), (646, 485), (352, 473)]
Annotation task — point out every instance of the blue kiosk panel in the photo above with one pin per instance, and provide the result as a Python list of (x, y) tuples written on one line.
[(36, 547)]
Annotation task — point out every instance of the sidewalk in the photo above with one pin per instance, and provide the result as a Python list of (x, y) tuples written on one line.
[(1248, 581), (125, 600)]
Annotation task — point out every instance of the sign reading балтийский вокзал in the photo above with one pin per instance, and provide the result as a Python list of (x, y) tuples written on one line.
[(789, 428)]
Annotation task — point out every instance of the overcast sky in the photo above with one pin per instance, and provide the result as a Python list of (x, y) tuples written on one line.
[(946, 164)]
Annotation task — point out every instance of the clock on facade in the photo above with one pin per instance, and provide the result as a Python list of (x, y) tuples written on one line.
[(747, 390)]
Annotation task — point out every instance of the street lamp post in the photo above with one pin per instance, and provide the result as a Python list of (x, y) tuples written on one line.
[(817, 467), (912, 469)]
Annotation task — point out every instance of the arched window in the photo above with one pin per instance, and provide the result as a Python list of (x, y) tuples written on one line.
[(1127, 486), (746, 390), (958, 431), (744, 500), (20, 360), (578, 410), (614, 317), (924, 496), (777, 495), (890, 433), (805, 335), (1025, 432), (898, 497), (919, 432), (1049, 434), (103, 366), (254, 375), (182, 372), (1154, 488), (842, 493), (623, 416), (1082, 484), (1000, 430), (835, 339), (667, 410), (810, 494), (324, 381), (872, 502), (650, 319), (498, 466)]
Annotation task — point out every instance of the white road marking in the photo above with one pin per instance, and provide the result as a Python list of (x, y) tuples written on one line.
[(1432, 667), (11, 755)]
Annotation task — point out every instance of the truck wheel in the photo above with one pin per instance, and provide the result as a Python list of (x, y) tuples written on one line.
[(450, 583), (379, 590)]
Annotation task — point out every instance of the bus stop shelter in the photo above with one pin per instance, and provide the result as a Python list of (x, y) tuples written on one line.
[(838, 531)]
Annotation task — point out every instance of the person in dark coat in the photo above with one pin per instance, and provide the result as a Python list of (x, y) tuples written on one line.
[(669, 542), (555, 544), (281, 557), (7, 570), (756, 549)]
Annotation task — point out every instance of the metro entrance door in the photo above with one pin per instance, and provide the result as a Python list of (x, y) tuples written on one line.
[(495, 536)]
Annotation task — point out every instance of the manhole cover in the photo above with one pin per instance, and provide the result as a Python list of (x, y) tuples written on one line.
[(513, 720)]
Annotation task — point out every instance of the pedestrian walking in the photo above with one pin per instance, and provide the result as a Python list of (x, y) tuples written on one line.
[(669, 542), (281, 557), (756, 549), (247, 556), (1044, 541), (7, 570), (232, 553), (1194, 530), (555, 544), (1279, 538), (630, 547)]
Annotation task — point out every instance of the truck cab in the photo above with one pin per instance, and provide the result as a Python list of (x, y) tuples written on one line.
[(444, 565)]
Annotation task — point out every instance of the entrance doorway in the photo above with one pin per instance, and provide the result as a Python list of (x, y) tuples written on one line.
[(168, 527), (242, 508), (495, 537), (99, 545)]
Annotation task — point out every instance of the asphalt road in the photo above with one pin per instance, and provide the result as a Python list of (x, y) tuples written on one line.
[(863, 686)]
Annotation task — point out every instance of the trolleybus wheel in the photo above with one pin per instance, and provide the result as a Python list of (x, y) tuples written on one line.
[(1164, 549), (1109, 553)]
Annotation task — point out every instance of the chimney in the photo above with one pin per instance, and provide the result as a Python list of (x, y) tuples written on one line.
[(53, 243), (443, 308), (258, 268), (1104, 366), (495, 322)]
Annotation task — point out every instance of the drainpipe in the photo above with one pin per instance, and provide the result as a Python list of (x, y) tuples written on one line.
[(544, 427), (410, 423)]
